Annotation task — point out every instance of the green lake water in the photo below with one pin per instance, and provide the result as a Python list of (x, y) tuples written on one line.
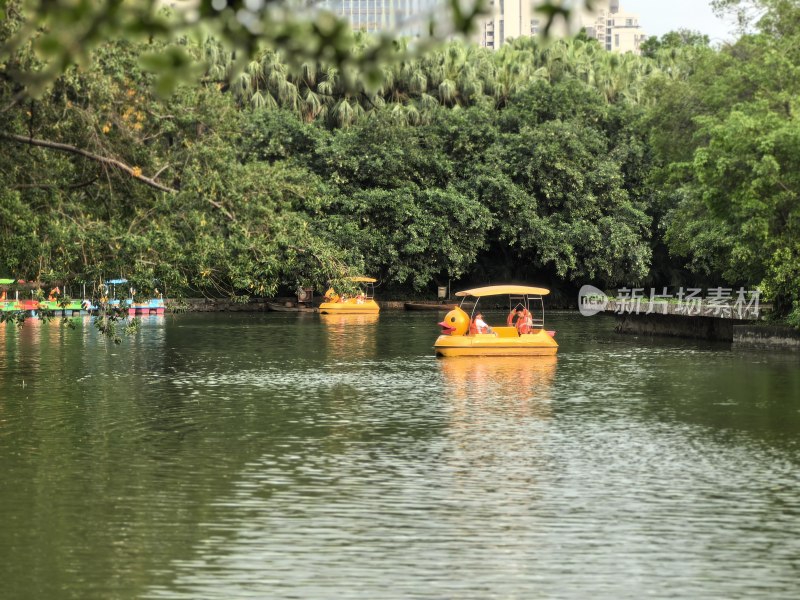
[(280, 455)]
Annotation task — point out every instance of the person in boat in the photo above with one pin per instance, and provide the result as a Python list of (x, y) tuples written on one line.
[(480, 326), (525, 322), (514, 314), (53, 294)]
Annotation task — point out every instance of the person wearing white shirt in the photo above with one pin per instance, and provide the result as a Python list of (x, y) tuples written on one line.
[(481, 325)]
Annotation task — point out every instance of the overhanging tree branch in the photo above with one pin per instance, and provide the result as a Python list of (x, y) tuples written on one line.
[(112, 162)]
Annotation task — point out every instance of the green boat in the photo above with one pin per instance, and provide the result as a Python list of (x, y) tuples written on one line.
[(73, 309), (5, 304)]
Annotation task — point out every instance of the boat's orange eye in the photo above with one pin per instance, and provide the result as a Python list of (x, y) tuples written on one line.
[(452, 319)]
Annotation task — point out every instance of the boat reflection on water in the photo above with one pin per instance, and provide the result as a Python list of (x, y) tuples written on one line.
[(21, 348), (3, 343), (501, 384), (351, 335), (349, 319)]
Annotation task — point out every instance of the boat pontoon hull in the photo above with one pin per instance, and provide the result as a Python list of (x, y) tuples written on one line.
[(350, 307), (507, 342)]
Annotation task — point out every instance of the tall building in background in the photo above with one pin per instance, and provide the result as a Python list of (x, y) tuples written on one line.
[(404, 17), (616, 29), (508, 19)]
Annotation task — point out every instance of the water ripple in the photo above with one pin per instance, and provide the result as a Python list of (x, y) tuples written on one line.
[(241, 456)]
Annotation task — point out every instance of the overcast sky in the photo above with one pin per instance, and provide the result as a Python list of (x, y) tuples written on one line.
[(658, 17)]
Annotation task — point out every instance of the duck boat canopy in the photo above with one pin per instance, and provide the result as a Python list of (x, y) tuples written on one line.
[(466, 334), (502, 290)]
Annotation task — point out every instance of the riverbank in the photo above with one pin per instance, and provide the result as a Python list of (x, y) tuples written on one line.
[(740, 333), (766, 336), (252, 305)]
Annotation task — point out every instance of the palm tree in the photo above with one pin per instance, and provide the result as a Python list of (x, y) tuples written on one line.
[(454, 75)]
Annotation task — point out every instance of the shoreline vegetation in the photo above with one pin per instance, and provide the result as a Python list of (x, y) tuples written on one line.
[(547, 161)]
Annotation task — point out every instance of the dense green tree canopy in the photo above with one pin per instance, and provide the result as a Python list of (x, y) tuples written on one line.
[(551, 161), (727, 141)]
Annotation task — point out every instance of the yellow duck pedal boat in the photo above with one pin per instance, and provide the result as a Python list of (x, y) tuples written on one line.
[(524, 334), (363, 303)]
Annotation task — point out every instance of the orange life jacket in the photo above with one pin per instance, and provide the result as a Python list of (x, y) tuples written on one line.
[(524, 323), (473, 328)]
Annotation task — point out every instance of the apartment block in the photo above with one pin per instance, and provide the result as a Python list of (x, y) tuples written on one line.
[(616, 29), (507, 19), (404, 17)]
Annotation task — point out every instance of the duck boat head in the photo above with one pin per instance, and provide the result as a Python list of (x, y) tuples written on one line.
[(456, 322)]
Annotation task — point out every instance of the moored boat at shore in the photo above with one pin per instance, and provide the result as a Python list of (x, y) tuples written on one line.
[(153, 306), (59, 302), (72, 308), (278, 307), (8, 304), (135, 308)]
